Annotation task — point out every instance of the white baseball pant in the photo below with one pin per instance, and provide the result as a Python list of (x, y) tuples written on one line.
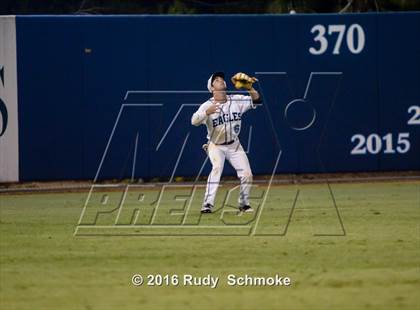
[(236, 156)]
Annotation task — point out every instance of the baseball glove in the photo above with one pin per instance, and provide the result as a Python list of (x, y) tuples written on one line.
[(241, 80)]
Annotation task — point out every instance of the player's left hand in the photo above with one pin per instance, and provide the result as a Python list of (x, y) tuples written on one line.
[(242, 80)]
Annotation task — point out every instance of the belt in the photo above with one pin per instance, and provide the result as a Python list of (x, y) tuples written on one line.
[(226, 143)]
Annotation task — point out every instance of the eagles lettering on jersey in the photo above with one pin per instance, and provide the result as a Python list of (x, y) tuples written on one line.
[(225, 118)]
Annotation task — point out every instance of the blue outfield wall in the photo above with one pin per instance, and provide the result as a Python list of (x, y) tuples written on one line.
[(341, 92)]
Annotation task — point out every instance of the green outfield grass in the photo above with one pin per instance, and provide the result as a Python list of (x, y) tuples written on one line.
[(375, 265)]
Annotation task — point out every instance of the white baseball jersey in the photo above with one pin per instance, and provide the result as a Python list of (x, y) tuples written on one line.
[(224, 125)]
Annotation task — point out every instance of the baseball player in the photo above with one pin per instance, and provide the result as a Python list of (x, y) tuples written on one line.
[(222, 114)]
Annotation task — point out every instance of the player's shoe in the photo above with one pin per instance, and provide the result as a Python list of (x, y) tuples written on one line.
[(206, 208), (246, 209)]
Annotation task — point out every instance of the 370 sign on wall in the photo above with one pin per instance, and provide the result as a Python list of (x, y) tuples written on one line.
[(324, 36)]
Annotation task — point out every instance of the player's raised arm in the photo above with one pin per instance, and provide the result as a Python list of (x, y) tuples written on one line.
[(255, 96), (242, 80)]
